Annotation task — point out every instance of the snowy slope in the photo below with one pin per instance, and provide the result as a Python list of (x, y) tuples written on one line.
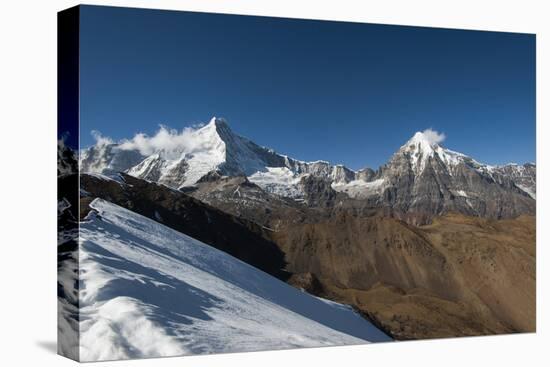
[(147, 290)]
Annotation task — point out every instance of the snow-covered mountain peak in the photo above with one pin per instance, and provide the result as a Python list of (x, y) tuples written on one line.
[(181, 158), (221, 129), (423, 143), (217, 126), (206, 137), (219, 122), (423, 137), (424, 146)]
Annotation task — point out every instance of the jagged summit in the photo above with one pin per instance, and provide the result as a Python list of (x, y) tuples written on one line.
[(425, 146), (421, 143), (425, 142)]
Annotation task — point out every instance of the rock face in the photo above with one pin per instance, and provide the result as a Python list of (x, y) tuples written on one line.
[(524, 177), (421, 180), (318, 191), (244, 199)]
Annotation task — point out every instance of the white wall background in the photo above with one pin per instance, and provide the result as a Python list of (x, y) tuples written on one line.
[(28, 181)]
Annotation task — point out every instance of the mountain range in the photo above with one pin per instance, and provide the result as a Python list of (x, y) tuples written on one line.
[(421, 180)]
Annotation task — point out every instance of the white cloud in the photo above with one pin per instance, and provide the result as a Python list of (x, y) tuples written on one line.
[(100, 139), (165, 139), (433, 136), (171, 143)]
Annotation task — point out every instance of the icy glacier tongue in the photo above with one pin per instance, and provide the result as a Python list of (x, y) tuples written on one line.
[(147, 290)]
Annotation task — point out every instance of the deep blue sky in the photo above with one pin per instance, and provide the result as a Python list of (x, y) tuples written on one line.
[(343, 92)]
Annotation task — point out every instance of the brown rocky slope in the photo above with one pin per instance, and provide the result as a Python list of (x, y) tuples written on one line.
[(455, 277)]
